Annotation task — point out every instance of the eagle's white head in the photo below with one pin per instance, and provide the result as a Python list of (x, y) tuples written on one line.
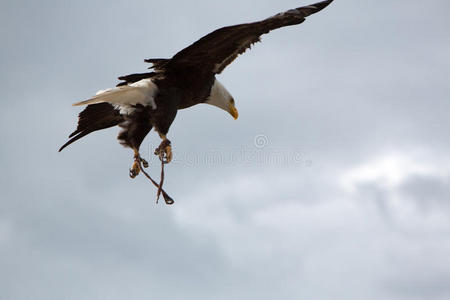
[(220, 97)]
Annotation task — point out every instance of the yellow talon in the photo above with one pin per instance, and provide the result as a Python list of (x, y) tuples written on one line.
[(164, 151), (168, 152), (135, 169), (144, 163)]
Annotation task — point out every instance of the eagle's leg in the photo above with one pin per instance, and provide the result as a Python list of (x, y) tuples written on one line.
[(164, 151), (135, 168)]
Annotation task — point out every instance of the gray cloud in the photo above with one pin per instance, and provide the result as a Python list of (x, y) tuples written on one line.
[(428, 192)]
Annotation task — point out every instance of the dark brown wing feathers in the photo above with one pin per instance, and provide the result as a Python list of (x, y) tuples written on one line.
[(94, 117), (219, 48), (157, 63), (135, 78), (215, 51)]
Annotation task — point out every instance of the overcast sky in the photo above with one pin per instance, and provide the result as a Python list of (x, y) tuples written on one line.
[(334, 183)]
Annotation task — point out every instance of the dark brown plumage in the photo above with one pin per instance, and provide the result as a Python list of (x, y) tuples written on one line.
[(94, 117)]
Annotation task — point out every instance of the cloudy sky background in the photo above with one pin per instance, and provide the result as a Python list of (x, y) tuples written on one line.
[(333, 184)]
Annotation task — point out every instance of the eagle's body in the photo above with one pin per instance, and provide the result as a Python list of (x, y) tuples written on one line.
[(151, 100)]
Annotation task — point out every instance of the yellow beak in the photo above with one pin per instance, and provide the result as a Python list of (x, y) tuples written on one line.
[(233, 111)]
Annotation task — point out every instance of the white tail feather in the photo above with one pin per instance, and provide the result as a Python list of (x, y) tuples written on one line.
[(124, 97)]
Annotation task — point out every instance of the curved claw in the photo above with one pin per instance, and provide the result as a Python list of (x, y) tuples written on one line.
[(144, 163), (133, 174), (134, 171), (166, 155), (164, 151)]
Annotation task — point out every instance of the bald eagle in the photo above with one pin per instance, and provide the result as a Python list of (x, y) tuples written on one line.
[(149, 100)]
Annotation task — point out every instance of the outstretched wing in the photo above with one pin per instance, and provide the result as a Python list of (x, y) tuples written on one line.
[(218, 49)]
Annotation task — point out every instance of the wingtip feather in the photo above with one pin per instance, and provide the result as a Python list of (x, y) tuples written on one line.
[(63, 146), (321, 5)]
